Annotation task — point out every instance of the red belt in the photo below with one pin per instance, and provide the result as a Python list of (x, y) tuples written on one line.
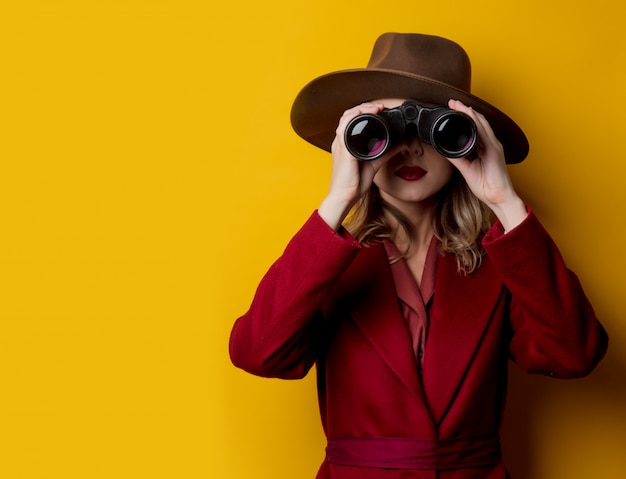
[(407, 453)]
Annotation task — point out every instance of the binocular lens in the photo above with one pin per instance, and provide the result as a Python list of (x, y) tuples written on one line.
[(367, 137), (454, 135)]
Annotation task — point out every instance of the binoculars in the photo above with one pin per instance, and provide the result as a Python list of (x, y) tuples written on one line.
[(452, 133)]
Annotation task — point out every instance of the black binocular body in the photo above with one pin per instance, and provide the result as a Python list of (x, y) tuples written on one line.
[(452, 133)]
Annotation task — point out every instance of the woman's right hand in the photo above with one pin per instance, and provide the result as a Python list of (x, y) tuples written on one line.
[(350, 178)]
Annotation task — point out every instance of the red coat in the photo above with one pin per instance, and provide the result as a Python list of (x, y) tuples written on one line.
[(329, 301)]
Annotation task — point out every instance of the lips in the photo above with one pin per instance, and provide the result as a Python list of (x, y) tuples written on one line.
[(410, 173)]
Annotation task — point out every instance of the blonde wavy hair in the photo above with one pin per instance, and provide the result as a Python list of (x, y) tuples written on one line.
[(460, 220)]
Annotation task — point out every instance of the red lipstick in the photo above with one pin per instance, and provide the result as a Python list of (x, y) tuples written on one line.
[(410, 173)]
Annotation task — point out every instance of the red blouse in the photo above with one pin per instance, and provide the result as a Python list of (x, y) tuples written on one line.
[(415, 300)]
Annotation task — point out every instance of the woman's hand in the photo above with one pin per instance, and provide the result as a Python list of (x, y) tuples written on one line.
[(487, 176), (350, 177)]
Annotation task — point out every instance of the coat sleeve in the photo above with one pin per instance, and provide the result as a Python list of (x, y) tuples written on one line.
[(276, 336), (554, 328)]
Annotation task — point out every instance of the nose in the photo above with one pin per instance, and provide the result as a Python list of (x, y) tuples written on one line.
[(413, 146)]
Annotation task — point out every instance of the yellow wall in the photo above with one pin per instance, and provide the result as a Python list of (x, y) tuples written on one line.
[(149, 175)]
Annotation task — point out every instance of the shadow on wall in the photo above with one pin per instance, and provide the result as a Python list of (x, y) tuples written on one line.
[(580, 424)]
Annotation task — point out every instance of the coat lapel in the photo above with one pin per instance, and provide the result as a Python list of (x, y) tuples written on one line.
[(461, 311), (374, 308)]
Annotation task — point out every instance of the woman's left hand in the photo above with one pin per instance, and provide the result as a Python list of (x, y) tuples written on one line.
[(487, 175)]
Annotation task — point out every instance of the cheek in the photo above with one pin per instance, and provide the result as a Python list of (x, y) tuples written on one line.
[(444, 170), (449, 172), (382, 176), (386, 172)]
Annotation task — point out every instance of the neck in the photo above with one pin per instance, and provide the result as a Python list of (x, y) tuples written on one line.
[(420, 217)]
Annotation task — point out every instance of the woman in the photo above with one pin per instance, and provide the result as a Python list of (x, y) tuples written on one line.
[(411, 307)]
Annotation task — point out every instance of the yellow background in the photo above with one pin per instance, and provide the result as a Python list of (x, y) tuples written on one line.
[(149, 175)]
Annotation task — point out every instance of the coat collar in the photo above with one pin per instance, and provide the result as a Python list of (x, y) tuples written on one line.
[(461, 310)]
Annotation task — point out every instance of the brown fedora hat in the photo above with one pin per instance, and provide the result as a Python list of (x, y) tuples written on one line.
[(422, 67)]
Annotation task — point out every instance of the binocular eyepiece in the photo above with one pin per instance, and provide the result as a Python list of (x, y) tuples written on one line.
[(452, 133)]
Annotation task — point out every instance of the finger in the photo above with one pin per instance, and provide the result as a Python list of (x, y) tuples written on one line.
[(482, 124), (348, 115), (367, 107)]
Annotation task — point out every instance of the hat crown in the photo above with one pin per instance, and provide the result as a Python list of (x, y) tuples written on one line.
[(426, 56)]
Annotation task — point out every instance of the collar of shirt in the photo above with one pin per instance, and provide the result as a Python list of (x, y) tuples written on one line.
[(406, 285), (414, 300)]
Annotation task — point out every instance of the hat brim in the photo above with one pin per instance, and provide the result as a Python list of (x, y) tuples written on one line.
[(319, 105)]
